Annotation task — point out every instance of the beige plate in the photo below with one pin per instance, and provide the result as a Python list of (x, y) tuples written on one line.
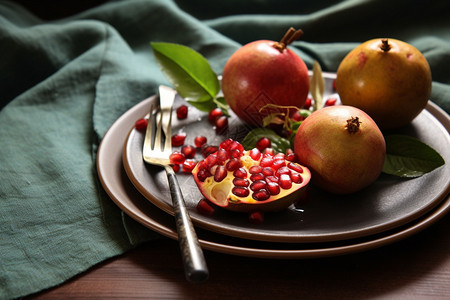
[(387, 204)]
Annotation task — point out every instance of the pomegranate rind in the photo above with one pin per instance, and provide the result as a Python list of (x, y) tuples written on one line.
[(220, 193)]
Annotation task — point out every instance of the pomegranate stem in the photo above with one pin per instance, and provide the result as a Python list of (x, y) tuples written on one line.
[(290, 36), (385, 45)]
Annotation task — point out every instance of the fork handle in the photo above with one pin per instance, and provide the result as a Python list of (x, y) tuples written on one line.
[(194, 262)]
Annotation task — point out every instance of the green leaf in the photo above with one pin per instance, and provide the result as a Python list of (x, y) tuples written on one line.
[(409, 157), (317, 85), (279, 144), (189, 72)]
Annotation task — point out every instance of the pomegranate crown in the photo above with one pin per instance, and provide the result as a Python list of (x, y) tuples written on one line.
[(290, 36)]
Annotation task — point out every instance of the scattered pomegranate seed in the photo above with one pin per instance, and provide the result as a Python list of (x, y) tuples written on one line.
[(182, 112), (263, 143), (199, 141), (188, 151), (189, 165), (221, 124), (177, 158), (256, 217), (334, 84), (214, 114), (205, 208), (178, 139), (308, 103), (141, 124), (175, 167), (330, 102)]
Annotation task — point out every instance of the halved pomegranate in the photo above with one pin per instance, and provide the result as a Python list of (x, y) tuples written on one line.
[(252, 180)]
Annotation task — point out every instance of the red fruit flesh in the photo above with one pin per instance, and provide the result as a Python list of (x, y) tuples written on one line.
[(262, 73), (241, 183), (343, 148)]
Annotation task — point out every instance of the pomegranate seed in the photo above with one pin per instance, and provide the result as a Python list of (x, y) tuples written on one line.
[(263, 143), (226, 143), (177, 157), (285, 181), (266, 162), (203, 174), (182, 112), (212, 160), (334, 84), (199, 141), (296, 177), (175, 167), (235, 153), (261, 195), (188, 151), (255, 154), (240, 191), (273, 188), (272, 179), (256, 176), (291, 157), (269, 152), (236, 146), (221, 124), (330, 102), (220, 173), (241, 182), (258, 185), (189, 165), (178, 139), (205, 208), (267, 171), (255, 169), (208, 149), (240, 173), (214, 114), (308, 103), (295, 167), (233, 164), (278, 164), (141, 124), (256, 217), (222, 155), (279, 156), (297, 116), (282, 170)]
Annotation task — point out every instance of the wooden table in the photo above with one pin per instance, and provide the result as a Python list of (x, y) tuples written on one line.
[(415, 268)]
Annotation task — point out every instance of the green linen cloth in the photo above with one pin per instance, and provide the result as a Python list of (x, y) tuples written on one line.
[(64, 82)]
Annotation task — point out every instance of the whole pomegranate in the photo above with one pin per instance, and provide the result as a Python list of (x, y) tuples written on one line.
[(343, 148), (265, 72), (247, 181), (388, 79)]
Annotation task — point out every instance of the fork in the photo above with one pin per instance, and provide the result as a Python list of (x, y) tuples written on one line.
[(194, 262)]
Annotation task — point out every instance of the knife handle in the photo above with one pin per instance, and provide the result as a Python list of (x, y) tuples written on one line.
[(194, 262)]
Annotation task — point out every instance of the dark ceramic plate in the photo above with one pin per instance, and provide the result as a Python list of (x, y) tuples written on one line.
[(388, 203)]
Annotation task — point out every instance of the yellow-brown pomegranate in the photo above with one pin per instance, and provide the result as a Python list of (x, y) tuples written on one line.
[(389, 79)]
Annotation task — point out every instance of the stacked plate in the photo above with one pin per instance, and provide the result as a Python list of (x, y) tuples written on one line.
[(324, 225)]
